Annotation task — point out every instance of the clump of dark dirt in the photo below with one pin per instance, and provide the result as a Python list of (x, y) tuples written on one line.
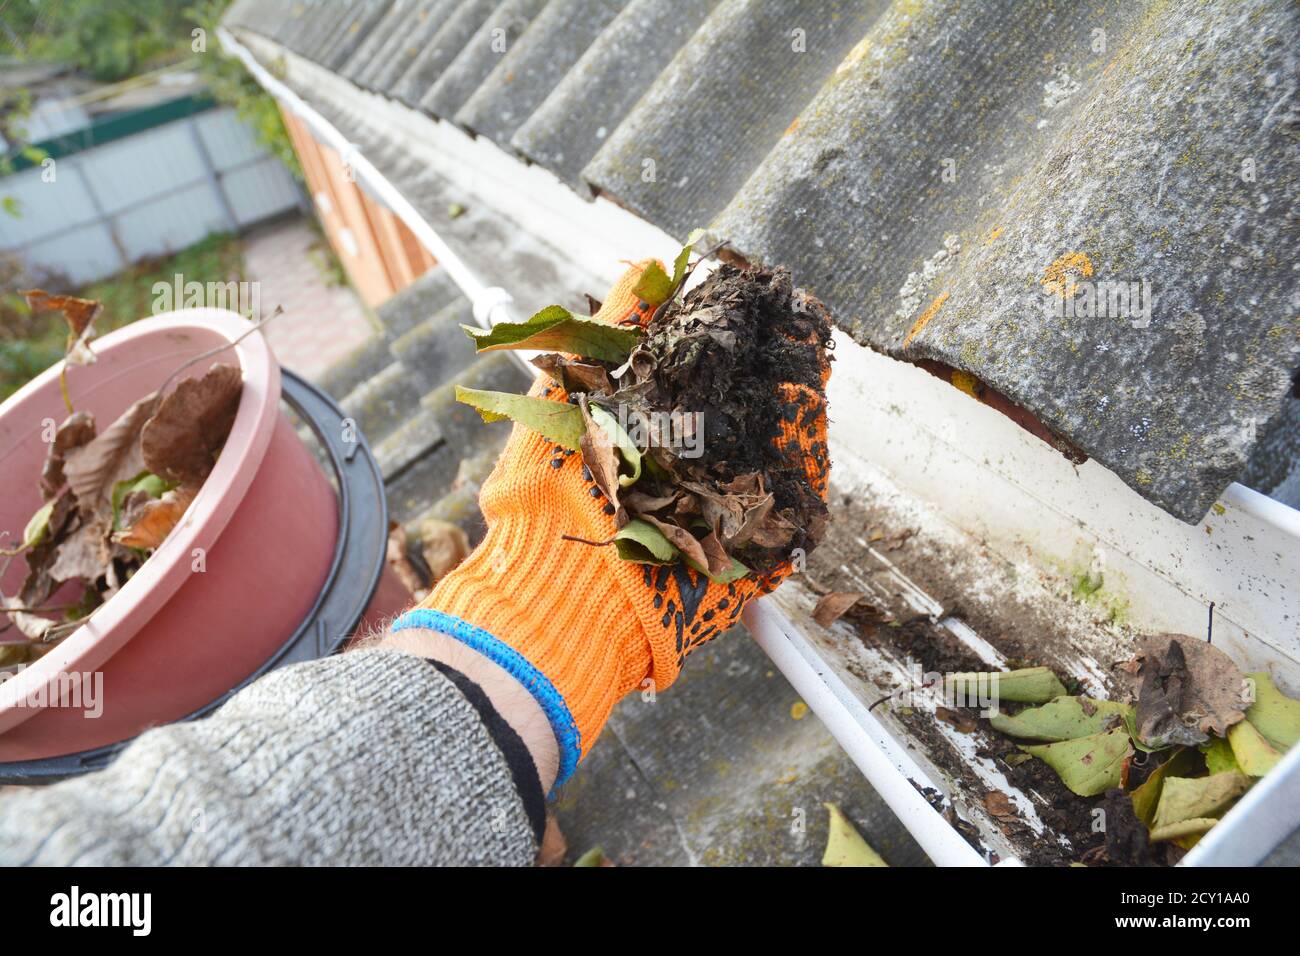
[(719, 356)]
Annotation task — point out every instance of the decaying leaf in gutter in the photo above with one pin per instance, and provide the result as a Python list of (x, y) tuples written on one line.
[(187, 432), (561, 422), (1273, 714), (1219, 757), (1064, 718), (1187, 689), (1187, 798), (556, 329), (1030, 685), (1177, 832), (844, 844), (1254, 754), (1087, 765), (832, 606), (1147, 796), (999, 805)]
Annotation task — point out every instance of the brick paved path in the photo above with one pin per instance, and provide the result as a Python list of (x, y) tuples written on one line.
[(321, 323)]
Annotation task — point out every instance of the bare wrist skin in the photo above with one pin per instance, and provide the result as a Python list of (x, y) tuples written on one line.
[(515, 704)]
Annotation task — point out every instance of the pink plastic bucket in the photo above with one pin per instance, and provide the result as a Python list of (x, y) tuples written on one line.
[(221, 595)]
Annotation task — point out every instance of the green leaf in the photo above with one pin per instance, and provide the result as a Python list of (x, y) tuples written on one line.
[(1183, 828), (1146, 797), (1030, 685), (593, 857), (38, 526), (1089, 765), (145, 481), (1130, 721), (1274, 715), (1218, 756), (622, 441), (733, 573), (642, 542), (12, 206), (1255, 755), (1064, 718), (654, 286), (1187, 798), (559, 421), (684, 257), (844, 844), (34, 155), (556, 329)]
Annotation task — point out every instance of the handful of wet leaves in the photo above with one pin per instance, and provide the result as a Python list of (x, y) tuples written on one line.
[(111, 496), (676, 419), (1195, 736)]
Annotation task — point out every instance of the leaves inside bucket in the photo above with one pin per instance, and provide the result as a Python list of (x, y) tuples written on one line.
[(111, 499)]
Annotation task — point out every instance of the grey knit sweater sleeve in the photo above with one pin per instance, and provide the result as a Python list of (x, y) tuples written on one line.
[(372, 757)]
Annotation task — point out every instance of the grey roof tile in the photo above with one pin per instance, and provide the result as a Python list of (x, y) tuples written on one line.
[(552, 44), (458, 27), (721, 104), (931, 171), (355, 31), (1069, 165), (401, 53), (494, 39), (395, 18), (591, 100)]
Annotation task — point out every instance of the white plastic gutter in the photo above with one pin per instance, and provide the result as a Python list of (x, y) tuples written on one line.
[(885, 764), (490, 303)]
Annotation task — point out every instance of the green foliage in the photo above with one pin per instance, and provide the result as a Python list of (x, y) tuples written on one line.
[(109, 40), (232, 85), (29, 344)]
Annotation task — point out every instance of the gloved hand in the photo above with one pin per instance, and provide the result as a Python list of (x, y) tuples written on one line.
[(575, 624)]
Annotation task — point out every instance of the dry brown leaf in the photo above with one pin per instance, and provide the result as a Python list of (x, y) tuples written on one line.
[(1187, 689), (776, 530), (833, 605), (31, 626), (83, 554), (639, 503), (599, 456), (444, 546), (156, 518), (961, 720), (78, 313), (575, 375), (715, 553), (183, 438), (77, 429), (94, 468), (554, 845), (682, 540), (399, 559), (998, 804)]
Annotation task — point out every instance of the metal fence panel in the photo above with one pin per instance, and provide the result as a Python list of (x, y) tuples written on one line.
[(145, 195)]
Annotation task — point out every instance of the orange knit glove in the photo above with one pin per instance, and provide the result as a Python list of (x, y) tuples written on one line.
[(575, 624)]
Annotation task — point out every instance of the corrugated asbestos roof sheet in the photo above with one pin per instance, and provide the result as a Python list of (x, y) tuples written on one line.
[(1089, 208)]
